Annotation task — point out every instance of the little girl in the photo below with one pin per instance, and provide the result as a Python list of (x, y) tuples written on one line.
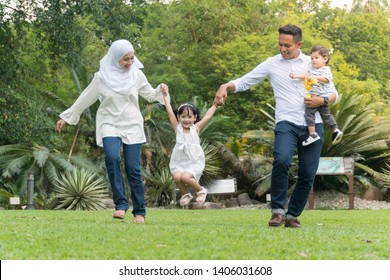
[(187, 160)]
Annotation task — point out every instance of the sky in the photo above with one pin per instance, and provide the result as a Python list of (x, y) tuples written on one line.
[(341, 3)]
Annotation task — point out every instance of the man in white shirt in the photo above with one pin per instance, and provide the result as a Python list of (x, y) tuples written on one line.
[(290, 126)]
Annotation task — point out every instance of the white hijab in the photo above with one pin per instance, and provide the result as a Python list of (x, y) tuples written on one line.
[(113, 75)]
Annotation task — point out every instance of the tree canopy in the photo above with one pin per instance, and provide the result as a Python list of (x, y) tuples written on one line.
[(53, 47)]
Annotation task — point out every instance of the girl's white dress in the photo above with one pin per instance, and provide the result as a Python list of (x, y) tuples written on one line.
[(187, 155)]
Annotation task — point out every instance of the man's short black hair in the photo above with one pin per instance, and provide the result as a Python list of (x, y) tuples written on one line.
[(293, 30)]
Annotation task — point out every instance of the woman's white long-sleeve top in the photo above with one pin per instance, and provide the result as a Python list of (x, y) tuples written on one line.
[(118, 115)]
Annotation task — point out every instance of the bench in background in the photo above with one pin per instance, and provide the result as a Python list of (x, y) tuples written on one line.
[(336, 166), (224, 186), (216, 187)]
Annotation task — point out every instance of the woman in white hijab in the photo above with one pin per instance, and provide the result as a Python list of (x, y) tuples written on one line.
[(119, 122)]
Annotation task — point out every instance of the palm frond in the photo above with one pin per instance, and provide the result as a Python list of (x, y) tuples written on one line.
[(14, 166), (41, 154), (50, 171), (14, 149), (370, 171), (62, 163), (210, 133), (213, 166)]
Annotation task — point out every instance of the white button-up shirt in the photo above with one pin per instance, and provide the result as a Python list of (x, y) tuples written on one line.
[(289, 93), (118, 115)]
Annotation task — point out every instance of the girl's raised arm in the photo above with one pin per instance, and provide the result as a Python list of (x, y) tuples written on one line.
[(209, 114), (171, 114)]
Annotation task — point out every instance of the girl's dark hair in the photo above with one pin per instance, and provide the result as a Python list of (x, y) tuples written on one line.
[(322, 51), (188, 107)]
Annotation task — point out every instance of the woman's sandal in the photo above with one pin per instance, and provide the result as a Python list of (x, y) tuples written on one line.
[(139, 219), (185, 199), (201, 196), (119, 214)]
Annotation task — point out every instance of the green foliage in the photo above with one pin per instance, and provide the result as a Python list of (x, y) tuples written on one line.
[(365, 139), (8, 55), (243, 108), (7, 190), (80, 189), (213, 168), (365, 135), (364, 40), (386, 176), (57, 22), (364, 131), (26, 118), (370, 6), (159, 185), (18, 160)]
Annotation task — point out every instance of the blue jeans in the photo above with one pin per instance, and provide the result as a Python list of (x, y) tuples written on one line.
[(132, 159), (288, 138)]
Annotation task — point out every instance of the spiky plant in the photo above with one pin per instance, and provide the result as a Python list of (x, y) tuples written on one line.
[(213, 167), (160, 188), (80, 189), (365, 139)]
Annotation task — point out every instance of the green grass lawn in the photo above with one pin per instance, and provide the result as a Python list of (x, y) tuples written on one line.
[(177, 234)]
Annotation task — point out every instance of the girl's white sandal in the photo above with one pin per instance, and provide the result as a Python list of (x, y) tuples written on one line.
[(185, 199), (201, 196)]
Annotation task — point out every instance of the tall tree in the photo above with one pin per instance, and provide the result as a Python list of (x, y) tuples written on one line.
[(370, 6)]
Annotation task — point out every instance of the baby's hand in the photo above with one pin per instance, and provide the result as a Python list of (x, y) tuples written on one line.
[(292, 76), (312, 79)]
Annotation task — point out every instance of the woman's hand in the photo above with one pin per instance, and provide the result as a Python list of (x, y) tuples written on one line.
[(164, 89), (60, 125)]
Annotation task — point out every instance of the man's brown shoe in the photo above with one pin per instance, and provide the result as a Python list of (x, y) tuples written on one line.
[(293, 223), (276, 220)]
